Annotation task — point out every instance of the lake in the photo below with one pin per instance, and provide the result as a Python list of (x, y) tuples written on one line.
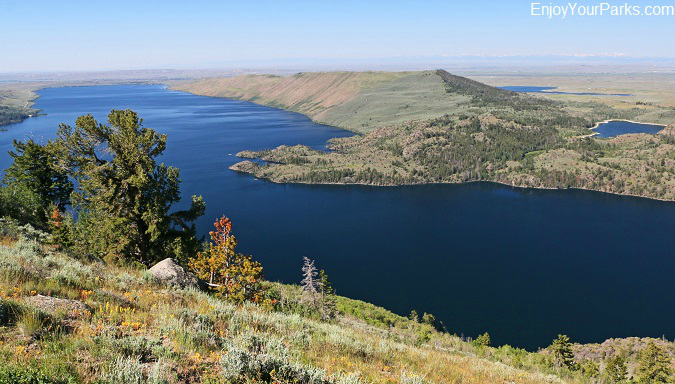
[(552, 91), (614, 128), (522, 264)]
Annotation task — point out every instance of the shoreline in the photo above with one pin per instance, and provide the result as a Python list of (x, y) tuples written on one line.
[(500, 183), (627, 121), (172, 88), (595, 133)]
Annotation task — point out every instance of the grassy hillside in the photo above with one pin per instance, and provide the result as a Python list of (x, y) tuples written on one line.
[(119, 326), (67, 320), (15, 103), (359, 101)]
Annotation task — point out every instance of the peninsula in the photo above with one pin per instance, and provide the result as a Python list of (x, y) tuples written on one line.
[(436, 127)]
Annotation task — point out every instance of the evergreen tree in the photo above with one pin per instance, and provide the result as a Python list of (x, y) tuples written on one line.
[(616, 370), (482, 340), (589, 369), (234, 276), (428, 318), (35, 168), (561, 350), (653, 366), (414, 316), (328, 306), (20, 203), (124, 197)]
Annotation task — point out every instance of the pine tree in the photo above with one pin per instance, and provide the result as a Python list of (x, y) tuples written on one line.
[(414, 316), (561, 349), (328, 306), (36, 167), (428, 318), (616, 371), (35, 171), (234, 276), (482, 340), (654, 365), (310, 282), (589, 369), (123, 198)]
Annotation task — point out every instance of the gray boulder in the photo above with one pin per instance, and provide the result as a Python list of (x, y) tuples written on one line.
[(169, 272), (51, 305)]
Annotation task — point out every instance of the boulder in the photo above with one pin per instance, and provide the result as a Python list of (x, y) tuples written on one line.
[(52, 305), (169, 272)]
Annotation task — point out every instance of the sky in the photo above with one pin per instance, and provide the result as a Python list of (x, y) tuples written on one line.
[(110, 35)]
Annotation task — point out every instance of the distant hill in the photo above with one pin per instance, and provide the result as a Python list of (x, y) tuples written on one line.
[(359, 101), (436, 127)]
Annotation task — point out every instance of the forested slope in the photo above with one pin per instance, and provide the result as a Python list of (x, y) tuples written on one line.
[(435, 127)]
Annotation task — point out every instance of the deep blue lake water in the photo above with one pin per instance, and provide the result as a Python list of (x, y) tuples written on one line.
[(522, 264), (619, 127), (552, 91)]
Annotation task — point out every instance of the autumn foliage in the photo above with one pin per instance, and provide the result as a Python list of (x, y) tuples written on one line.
[(233, 275)]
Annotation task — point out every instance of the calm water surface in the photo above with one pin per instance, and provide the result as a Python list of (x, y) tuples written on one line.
[(552, 91), (619, 127), (521, 264)]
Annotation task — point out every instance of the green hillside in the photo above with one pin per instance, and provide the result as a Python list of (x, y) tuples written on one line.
[(66, 320), (359, 101), (436, 127), (15, 102)]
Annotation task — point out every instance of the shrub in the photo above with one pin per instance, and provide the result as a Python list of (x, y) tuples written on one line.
[(11, 228), (252, 357), (30, 321), (14, 374), (136, 346), (127, 370), (158, 374), (589, 369), (407, 378), (9, 311), (482, 340)]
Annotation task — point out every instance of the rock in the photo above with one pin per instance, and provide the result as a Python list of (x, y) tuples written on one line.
[(169, 272), (52, 305), (245, 166)]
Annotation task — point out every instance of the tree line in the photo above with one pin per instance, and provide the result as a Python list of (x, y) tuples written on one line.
[(12, 115)]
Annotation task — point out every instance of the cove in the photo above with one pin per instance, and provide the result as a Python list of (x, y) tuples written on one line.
[(522, 264), (614, 128), (552, 91)]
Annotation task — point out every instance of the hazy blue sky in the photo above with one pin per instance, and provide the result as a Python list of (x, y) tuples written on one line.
[(90, 35)]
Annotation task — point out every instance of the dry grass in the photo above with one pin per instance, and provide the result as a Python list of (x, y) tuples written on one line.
[(137, 331)]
